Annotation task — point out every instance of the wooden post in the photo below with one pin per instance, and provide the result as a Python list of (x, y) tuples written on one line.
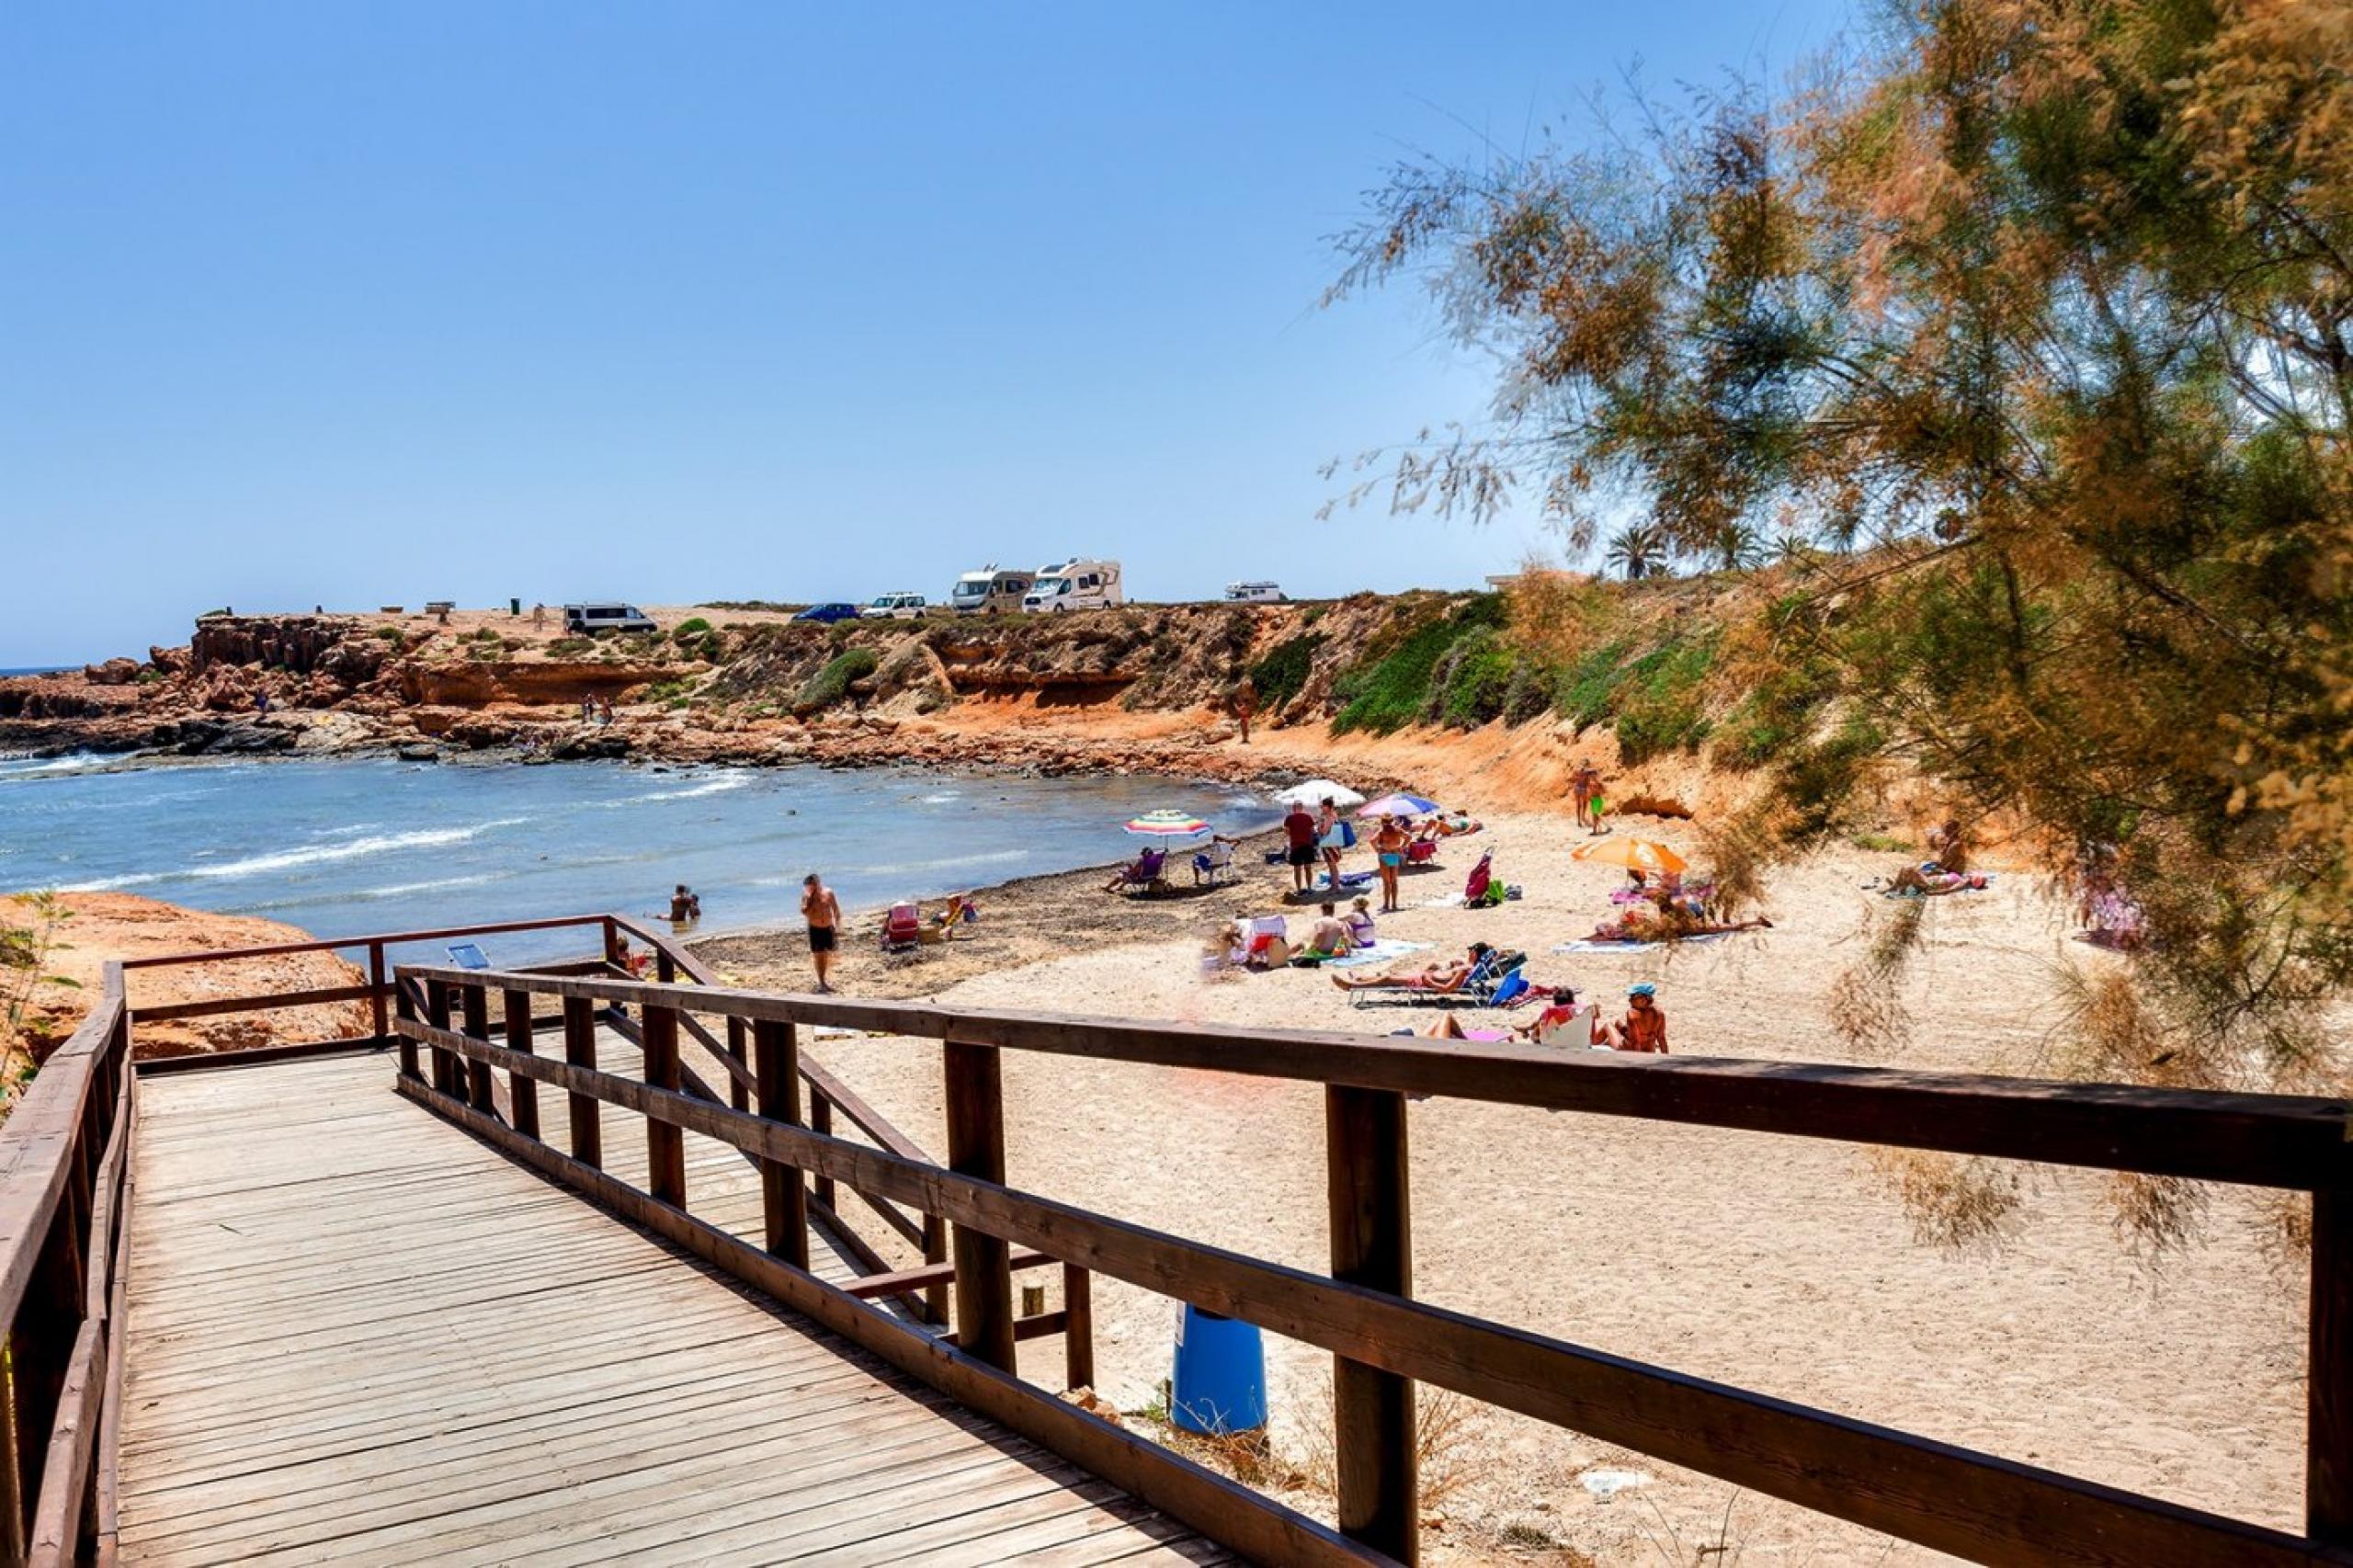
[(436, 1013), (821, 1120), (474, 999), (1078, 1327), (2328, 1397), (612, 941), (976, 1148), (580, 1049), (737, 1095), (665, 968), (934, 1250), (376, 1001), (1372, 1246), (523, 1092), (666, 1143), (784, 1200), (408, 1047)]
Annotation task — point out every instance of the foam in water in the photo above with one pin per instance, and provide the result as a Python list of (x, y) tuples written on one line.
[(315, 853)]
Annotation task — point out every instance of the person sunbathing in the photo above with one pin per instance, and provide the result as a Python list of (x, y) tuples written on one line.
[(1561, 1012), (1644, 1028), (1926, 882), (1441, 976)]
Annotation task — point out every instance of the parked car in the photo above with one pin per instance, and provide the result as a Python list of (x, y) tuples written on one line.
[(988, 590), (901, 606), (1255, 594), (609, 616), (1075, 584), (828, 612)]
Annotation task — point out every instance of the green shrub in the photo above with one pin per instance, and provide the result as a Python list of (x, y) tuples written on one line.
[(1283, 672), (1658, 706), (569, 646), (689, 630), (831, 684), (1589, 688), (393, 634), (1388, 693), (1468, 687)]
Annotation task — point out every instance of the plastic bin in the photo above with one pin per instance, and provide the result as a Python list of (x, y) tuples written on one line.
[(1219, 1383)]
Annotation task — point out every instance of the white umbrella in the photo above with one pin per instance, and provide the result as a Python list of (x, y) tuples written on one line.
[(1315, 791)]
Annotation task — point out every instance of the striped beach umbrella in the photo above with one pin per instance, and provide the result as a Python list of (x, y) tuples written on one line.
[(1166, 825)]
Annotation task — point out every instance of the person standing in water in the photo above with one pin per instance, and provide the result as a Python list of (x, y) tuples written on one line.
[(824, 912)]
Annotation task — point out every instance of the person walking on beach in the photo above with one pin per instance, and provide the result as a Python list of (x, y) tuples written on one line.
[(824, 912), (1299, 834), (1390, 844), (1582, 785)]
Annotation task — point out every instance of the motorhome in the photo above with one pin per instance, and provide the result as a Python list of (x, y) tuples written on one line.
[(988, 591), (1074, 584), (1260, 593), (609, 616)]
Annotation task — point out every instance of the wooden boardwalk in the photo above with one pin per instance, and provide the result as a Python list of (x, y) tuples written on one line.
[(358, 1335)]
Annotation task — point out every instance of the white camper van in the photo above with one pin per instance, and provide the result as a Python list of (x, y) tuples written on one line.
[(988, 590), (610, 616), (1075, 584)]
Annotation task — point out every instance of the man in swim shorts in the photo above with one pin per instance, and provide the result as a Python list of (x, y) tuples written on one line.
[(1298, 835), (824, 912)]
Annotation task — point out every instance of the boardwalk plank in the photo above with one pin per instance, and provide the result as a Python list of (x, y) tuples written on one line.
[(357, 1337)]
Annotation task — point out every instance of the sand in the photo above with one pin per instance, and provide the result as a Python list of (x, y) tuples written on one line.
[(1782, 1265)]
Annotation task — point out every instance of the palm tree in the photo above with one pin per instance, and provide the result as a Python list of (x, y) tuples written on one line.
[(1639, 550), (1737, 547)]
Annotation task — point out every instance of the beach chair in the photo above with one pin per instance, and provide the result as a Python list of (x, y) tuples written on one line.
[(1266, 936), (468, 955), (1144, 873), (1211, 862), (901, 929), (1421, 852)]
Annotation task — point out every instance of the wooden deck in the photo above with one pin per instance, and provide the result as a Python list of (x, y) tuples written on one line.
[(358, 1335)]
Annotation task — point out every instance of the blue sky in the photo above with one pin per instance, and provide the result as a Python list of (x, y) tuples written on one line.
[(320, 302)]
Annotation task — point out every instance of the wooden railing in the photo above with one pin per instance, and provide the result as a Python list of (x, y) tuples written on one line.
[(1972, 1505), (65, 1191)]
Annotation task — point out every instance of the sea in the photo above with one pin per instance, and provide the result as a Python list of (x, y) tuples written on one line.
[(351, 847)]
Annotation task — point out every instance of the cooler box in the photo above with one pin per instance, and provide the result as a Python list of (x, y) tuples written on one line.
[(1220, 1381)]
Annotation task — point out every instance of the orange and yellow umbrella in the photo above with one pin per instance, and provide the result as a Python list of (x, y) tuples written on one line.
[(1635, 853)]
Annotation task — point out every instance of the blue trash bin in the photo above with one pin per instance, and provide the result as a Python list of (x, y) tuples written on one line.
[(1219, 1381)]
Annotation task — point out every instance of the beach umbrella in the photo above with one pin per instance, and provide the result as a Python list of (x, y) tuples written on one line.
[(1400, 805), (1315, 791), (1166, 825), (1634, 853)]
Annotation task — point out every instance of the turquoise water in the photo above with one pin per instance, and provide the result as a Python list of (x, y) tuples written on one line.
[(346, 847)]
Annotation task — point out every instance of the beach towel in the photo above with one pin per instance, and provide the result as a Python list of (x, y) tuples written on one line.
[(1588, 946), (1385, 951)]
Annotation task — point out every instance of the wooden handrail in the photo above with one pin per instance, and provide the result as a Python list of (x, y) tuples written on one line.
[(1947, 1497), (2279, 1141), (65, 1164)]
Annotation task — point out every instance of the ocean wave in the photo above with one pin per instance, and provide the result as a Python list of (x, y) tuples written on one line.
[(716, 786), (35, 768), (397, 889), (311, 855), (908, 868)]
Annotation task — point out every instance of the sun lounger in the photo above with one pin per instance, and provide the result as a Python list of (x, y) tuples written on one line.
[(1478, 988)]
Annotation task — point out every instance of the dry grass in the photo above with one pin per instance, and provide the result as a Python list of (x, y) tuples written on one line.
[(1954, 1203), (1449, 1456)]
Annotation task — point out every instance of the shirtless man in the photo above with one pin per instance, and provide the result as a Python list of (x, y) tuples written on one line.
[(1331, 938), (1643, 1029), (824, 912)]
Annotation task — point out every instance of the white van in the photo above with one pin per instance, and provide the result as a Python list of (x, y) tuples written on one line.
[(1253, 593), (609, 616), (1075, 584), (901, 606), (988, 590)]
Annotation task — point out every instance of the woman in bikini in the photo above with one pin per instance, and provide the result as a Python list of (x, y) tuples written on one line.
[(1644, 1028), (1446, 974), (1390, 844)]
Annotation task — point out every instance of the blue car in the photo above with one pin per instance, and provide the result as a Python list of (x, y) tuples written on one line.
[(828, 612)]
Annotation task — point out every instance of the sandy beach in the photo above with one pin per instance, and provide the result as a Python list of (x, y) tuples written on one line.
[(1785, 1266)]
